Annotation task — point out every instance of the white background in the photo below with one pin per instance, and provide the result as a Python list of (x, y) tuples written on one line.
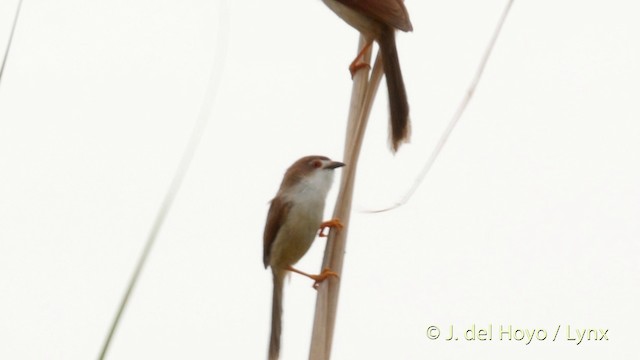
[(529, 218)]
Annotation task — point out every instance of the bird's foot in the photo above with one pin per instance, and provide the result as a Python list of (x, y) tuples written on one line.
[(357, 63), (333, 223), (326, 273)]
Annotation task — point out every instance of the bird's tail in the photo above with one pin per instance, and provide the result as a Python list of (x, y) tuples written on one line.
[(276, 315), (398, 103)]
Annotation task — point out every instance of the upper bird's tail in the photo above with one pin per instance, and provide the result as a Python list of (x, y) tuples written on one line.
[(398, 103)]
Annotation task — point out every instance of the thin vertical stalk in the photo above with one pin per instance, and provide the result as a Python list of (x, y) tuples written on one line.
[(362, 96)]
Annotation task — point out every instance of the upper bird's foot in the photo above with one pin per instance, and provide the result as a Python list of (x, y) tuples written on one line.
[(355, 66), (326, 273), (333, 223), (357, 63)]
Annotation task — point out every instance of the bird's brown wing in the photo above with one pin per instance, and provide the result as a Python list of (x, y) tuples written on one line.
[(390, 12), (275, 218)]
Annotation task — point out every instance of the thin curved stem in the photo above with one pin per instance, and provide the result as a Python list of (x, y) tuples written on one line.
[(456, 116), (8, 48), (183, 166)]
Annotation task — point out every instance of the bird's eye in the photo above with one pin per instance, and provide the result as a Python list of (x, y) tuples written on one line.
[(316, 164)]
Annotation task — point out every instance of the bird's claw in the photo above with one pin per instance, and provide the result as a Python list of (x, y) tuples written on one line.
[(355, 66), (326, 273), (333, 223), (357, 63)]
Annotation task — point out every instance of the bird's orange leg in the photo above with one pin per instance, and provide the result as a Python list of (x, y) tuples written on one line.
[(318, 278), (333, 223), (357, 63)]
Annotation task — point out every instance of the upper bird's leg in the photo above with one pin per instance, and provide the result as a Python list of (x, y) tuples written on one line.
[(318, 278), (357, 63), (333, 223)]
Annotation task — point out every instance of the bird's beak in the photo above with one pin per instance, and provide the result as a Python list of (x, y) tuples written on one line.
[(333, 165)]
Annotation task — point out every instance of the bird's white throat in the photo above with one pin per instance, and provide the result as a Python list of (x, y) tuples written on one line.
[(312, 188)]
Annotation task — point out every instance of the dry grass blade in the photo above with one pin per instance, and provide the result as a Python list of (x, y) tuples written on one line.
[(362, 96)]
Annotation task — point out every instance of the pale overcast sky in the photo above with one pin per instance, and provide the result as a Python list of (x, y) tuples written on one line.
[(529, 218)]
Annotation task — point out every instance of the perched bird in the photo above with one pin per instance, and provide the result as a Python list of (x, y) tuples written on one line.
[(293, 221), (377, 20)]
